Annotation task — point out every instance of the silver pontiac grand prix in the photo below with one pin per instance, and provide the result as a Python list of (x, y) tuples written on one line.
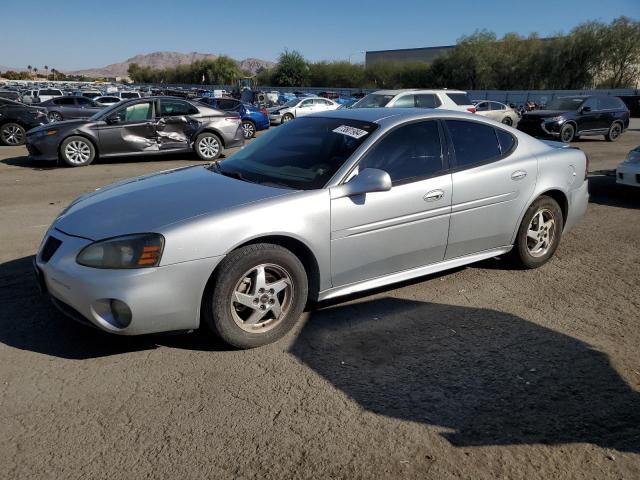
[(324, 206)]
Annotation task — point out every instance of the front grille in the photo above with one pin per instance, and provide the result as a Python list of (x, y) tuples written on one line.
[(50, 246)]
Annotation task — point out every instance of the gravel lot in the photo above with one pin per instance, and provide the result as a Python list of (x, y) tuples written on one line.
[(482, 373)]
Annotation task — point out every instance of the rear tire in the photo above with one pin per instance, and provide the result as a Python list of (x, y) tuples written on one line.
[(12, 134), (208, 146), (256, 295), (615, 130), (77, 151), (507, 121), (248, 129), (539, 233)]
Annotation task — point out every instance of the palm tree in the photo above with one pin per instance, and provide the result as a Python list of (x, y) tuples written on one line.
[(29, 67), (35, 71), (53, 71), (46, 69)]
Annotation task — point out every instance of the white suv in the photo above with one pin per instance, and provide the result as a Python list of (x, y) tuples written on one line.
[(414, 98)]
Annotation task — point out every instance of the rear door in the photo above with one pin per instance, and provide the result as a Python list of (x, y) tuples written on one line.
[(174, 126), (492, 182), (305, 107), (134, 131)]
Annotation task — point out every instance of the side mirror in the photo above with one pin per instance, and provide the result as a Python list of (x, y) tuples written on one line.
[(368, 180), (585, 109), (113, 119)]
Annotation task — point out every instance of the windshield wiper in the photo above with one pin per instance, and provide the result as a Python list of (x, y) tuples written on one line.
[(237, 175)]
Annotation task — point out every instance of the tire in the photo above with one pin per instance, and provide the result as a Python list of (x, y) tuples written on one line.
[(287, 117), (248, 129), (567, 133), (55, 116), (536, 244), (507, 121), (208, 146), (255, 321), (615, 130), (12, 134), (77, 151)]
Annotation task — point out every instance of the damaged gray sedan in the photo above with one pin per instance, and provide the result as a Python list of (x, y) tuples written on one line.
[(141, 126)]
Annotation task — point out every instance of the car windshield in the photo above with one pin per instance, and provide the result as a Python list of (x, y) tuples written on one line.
[(373, 100), (565, 103), (291, 103), (303, 154)]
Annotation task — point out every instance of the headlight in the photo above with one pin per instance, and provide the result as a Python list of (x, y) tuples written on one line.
[(131, 251), (633, 157), (553, 119)]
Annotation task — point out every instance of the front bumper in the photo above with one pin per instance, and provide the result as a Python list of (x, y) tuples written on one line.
[(275, 119), (540, 127), (628, 174), (42, 147), (161, 299)]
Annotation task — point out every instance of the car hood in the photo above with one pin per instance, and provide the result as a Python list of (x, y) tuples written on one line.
[(543, 113), (150, 202)]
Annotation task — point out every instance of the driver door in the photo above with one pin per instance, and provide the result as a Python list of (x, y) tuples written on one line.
[(129, 129), (379, 233), (305, 108)]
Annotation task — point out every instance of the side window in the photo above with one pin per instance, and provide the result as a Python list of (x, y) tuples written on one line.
[(135, 113), (405, 101), (497, 106), (176, 108), (427, 100), (482, 107), (592, 103), (506, 140), (226, 104), (307, 103), (610, 103), (410, 152), (473, 142), (83, 101)]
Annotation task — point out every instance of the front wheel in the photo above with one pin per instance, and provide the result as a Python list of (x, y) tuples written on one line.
[(539, 233), (615, 130), (256, 296), (567, 133), (287, 117), (208, 146), (55, 117), (77, 151), (507, 121), (12, 134)]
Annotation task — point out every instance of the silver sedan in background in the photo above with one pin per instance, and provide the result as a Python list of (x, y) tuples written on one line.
[(327, 205)]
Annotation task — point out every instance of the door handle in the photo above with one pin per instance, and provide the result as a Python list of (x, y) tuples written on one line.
[(519, 175), (433, 196)]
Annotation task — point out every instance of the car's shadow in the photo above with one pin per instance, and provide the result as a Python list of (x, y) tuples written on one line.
[(603, 190), (486, 377)]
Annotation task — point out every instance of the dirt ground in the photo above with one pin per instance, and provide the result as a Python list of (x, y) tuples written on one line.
[(485, 372)]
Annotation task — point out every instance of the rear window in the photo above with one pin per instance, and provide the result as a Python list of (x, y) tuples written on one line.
[(473, 142), (50, 92), (459, 98)]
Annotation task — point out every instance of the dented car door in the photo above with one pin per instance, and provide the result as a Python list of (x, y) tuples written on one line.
[(175, 126), (129, 130)]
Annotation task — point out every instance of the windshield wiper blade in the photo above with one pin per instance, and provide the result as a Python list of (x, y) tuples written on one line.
[(237, 175)]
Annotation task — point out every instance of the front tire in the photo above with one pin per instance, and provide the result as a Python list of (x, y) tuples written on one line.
[(287, 117), (208, 146), (256, 296), (567, 133), (615, 130), (248, 129), (539, 233), (12, 134), (507, 121), (77, 151)]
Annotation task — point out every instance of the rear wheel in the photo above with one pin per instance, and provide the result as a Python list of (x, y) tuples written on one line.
[(507, 121), (539, 233), (248, 129), (567, 132), (615, 130), (12, 134), (208, 146), (55, 116), (257, 295), (77, 151)]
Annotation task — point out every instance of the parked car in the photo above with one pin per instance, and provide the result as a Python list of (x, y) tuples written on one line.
[(70, 108), (128, 94), (569, 118), (328, 205), (106, 100), (89, 93), (11, 95), (253, 118), (330, 95), (44, 94), (414, 98), (300, 107), (628, 172), (141, 126), (497, 111), (16, 118)]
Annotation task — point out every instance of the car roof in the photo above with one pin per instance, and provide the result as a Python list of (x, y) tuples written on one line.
[(416, 90), (384, 115)]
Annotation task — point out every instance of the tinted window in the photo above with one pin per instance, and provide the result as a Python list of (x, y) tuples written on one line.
[(410, 152), (564, 103), (227, 104), (84, 101), (610, 103), (64, 101), (506, 140), (135, 113), (373, 100), (592, 103), (496, 106), (482, 107), (405, 101), (459, 98), (50, 92), (303, 154), (473, 142), (427, 100), (129, 95), (175, 108)]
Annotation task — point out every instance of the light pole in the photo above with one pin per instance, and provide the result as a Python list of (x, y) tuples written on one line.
[(355, 53)]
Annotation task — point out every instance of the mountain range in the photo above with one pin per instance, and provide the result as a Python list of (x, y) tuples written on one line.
[(160, 60)]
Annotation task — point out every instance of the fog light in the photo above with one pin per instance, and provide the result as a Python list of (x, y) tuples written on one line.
[(121, 313)]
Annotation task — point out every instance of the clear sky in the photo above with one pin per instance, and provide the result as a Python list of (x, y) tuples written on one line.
[(74, 34)]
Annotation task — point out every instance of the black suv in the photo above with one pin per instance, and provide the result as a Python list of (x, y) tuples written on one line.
[(16, 118), (568, 118)]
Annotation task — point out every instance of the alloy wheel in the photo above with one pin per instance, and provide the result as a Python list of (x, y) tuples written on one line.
[(209, 147), (615, 131), (262, 298), (55, 117), (13, 135), (541, 232), (77, 152), (248, 130)]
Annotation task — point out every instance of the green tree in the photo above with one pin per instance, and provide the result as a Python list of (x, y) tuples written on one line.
[(292, 70), (622, 46)]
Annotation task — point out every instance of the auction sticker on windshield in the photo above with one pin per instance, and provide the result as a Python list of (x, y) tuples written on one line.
[(350, 131)]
